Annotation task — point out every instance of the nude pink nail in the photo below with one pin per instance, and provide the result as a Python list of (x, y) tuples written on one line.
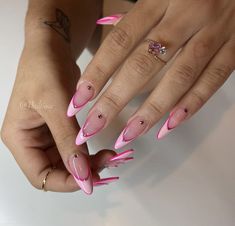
[(94, 123), (175, 118), (105, 181), (80, 170), (135, 128), (110, 20), (120, 158), (83, 95)]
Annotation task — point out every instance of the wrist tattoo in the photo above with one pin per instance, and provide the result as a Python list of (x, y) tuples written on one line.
[(61, 24)]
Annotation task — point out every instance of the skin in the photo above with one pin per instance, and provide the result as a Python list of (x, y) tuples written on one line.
[(205, 62), (36, 129)]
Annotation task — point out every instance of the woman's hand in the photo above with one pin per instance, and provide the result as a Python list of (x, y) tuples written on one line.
[(36, 129), (199, 34)]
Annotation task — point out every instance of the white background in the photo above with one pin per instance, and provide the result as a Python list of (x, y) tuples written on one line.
[(187, 179)]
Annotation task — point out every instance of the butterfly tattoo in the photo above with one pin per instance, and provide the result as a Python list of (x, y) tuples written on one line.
[(61, 25)]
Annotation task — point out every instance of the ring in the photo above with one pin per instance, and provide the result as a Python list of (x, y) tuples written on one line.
[(156, 48), (45, 178)]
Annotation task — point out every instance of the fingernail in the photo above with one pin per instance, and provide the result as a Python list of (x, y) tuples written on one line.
[(133, 129), (94, 123), (81, 172), (120, 158), (83, 95), (105, 181), (175, 118), (110, 20)]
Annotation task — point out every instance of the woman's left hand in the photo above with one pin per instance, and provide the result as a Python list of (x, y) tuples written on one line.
[(201, 36)]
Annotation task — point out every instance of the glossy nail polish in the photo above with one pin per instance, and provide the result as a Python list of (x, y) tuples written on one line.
[(83, 95), (133, 129), (172, 122), (105, 181), (110, 20), (120, 158), (94, 123), (80, 170)]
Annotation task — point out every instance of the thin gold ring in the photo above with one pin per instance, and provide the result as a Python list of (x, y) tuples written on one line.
[(43, 187)]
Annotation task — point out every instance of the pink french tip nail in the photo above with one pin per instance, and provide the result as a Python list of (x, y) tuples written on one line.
[(134, 129), (122, 155), (83, 95), (105, 181), (80, 170), (120, 158), (110, 20), (94, 123), (172, 122)]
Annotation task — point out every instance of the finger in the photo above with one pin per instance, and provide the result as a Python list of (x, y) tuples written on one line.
[(214, 76), (138, 70), (64, 130), (115, 48), (177, 81)]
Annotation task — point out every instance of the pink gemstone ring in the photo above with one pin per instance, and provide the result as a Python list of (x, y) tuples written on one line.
[(156, 48)]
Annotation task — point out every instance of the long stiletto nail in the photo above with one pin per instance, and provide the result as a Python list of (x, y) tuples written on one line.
[(80, 170), (120, 158), (105, 181), (110, 20), (133, 129), (94, 123), (83, 95), (175, 118)]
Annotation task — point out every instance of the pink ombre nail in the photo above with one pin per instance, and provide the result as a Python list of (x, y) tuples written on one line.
[(172, 122), (110, 20), (83, 95), (94, 123), (105, 181), (133, 129), (80, 170), (120, 158)]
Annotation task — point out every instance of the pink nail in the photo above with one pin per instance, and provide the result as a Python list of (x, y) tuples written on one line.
[(120, 158), (133, 129), (83, 95), (105, 181), (94, 123), (110, 20), (172, 122), (80, 170)]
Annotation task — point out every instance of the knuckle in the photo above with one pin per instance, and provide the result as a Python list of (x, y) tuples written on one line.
[(217, 75), (184, 74), (113, 101), (141, 64), (5, 135), (100, 72), (119, 39), (156, 108), (197, 98), (201, 48)]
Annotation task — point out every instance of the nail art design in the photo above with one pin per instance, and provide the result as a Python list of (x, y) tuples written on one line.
[(175, 118), (110, 20), (105, 181), (80, 170), (133, 129), (120, 158), (94, 123), (83, 95)]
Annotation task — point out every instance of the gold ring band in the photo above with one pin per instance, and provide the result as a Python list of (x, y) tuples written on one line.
[(45, 178)]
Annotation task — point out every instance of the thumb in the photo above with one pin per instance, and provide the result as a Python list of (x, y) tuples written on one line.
[(64, 131)]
